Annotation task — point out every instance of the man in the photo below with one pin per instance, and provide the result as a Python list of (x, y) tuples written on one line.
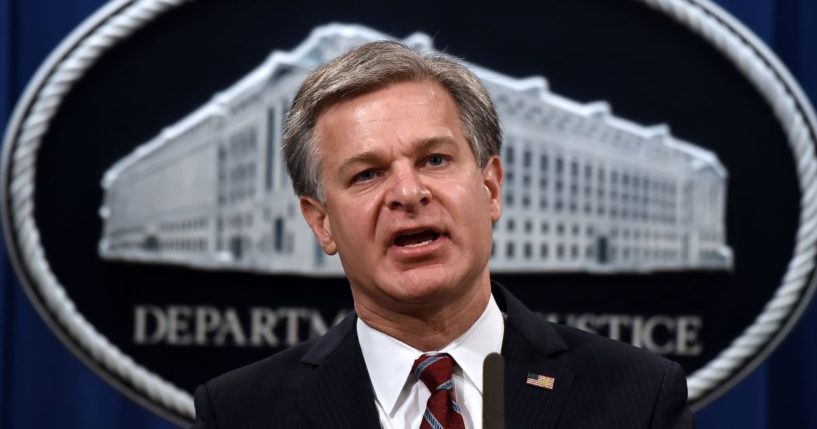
[(395, 158)]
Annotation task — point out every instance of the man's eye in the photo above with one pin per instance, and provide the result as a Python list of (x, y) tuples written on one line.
[(365, 176), (436, 160)]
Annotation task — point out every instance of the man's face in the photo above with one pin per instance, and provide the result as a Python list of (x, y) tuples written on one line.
[(406, 206)]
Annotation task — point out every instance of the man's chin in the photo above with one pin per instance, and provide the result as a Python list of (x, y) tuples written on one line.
[(424, 284)]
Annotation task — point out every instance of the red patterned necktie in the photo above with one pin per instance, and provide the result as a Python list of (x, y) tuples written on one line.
[(442, 410)]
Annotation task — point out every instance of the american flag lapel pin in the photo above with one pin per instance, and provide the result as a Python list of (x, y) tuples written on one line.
[(540, 380)]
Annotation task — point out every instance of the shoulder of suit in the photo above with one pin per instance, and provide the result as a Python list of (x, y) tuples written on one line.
[(268, 374), (285, 370), (287, 367)]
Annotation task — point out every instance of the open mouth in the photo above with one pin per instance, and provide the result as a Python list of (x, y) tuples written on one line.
[(416, 239)]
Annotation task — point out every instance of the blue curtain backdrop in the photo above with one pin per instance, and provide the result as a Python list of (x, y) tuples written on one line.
[(42, 385)]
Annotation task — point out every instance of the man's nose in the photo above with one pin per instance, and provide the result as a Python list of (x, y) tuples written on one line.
[(407, 190)]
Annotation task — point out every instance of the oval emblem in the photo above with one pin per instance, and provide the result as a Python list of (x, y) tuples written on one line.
[(659, 190)]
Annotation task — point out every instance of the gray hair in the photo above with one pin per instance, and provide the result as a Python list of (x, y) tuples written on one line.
[(366, 69)]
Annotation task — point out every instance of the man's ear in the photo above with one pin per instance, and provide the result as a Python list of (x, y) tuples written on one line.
[(492, 177), (316, 216)]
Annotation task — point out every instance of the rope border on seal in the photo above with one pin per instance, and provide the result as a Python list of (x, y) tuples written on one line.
[(115, 23), (740, 46), (118, 22)]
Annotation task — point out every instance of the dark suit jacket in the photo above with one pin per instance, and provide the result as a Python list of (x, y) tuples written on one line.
[(323, 383)]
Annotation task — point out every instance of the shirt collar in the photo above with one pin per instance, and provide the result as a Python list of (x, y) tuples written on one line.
[(389, 360)]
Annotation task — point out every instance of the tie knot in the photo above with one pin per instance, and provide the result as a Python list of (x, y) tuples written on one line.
[(435, 370)]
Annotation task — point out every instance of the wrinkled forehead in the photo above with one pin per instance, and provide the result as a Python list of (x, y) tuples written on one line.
[(320, 124), (408, 112)]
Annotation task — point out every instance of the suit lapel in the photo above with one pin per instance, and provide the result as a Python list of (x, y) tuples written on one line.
[(339, 392), (528, 406), (529, 346)]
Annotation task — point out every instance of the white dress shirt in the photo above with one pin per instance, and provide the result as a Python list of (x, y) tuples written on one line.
[(400, 397)]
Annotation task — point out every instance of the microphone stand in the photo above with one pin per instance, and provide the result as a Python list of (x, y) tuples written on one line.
[(493, 392)]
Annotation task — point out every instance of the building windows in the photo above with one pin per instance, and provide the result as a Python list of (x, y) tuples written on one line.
[(278, 235), (320, 256), (272, 138)]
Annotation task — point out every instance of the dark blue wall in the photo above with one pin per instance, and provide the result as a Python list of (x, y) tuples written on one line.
[(42, 385)]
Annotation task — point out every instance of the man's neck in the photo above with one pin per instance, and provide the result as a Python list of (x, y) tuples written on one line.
[(427, 328)]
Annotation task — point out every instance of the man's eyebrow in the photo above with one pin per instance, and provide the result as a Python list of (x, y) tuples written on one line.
[(368, 157), (434, 142), (372, 156)]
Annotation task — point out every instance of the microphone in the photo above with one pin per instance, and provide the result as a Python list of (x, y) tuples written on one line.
[(493, 392)]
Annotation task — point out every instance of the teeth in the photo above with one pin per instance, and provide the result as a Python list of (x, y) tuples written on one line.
[(418, 244), (416, 238)]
